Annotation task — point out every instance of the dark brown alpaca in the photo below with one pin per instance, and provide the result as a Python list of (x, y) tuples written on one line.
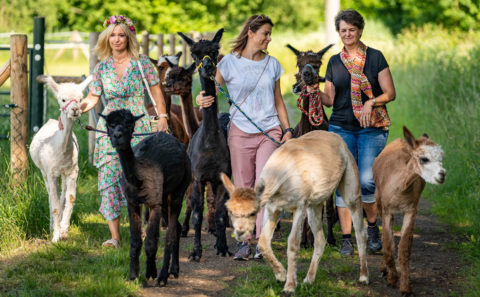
[(208, 148), (309, 64), (179, 82)]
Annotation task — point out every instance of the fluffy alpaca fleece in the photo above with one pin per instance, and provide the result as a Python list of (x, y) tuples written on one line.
[(54, 150), (299, 177), (400, 173)]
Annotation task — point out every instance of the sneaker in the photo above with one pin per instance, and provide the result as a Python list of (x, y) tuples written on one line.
[(243, 252), (347, 247), (374, 243), (258, 255)]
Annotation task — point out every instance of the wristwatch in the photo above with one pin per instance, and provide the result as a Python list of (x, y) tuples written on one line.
[(374, 101), (288, 130), (163, 115)]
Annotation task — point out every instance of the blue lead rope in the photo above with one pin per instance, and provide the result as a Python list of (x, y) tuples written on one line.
[(248, 118)]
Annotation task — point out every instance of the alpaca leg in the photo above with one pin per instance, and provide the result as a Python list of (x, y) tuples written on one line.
[(315, 222), (55, 207), (197, 205), (265, 243), (388, 263), (361, 235), (307, 235), (151, 240), (69, 201), (173, 236), (211, 210), (135, 239), (220, 223), (331, 220), (188, 211), (405, 250), (292, 250)]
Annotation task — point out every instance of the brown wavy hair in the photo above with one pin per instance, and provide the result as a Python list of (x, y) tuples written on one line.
[(253, 23)]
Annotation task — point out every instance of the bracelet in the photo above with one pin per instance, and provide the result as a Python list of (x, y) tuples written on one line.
[(374, 101), (288, 130), (163, 115)]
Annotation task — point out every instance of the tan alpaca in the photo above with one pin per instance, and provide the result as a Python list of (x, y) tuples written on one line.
[(400, 173), (299, 177)]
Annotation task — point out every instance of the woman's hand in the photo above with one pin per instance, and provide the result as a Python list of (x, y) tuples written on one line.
[(366, 114), (286, 136), (162, 125), (204, 101)]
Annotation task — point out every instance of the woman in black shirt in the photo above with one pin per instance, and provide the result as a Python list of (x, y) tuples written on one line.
[(358, 85)]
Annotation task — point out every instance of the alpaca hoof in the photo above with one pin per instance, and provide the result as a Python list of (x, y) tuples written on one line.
[(383, 274), (132, 277), (363, 279), (151, 273), (184, 233), (286, 294), (224, 253), (195, 256), (407, 294)]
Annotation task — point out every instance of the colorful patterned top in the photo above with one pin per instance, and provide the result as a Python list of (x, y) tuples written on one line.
[(127, 92)]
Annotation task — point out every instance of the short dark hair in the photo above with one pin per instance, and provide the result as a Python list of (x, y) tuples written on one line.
[(350, 16)]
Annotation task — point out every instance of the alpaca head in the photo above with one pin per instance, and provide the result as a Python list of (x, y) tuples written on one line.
[(205, 53), (427, 157), (179, 80), (242, 208), (69, 95), (163, 66), (120, 126), (308, 64)]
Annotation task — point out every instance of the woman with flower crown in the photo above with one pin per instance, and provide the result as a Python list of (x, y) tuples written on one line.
[(118, 76)]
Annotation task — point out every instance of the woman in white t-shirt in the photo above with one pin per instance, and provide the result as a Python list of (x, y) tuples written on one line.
[(253, 81)]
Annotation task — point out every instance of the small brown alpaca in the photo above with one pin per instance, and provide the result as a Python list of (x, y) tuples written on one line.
[(299, 177), (400, 173)]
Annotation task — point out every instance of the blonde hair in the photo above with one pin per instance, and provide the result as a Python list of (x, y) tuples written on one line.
[(103, 49)]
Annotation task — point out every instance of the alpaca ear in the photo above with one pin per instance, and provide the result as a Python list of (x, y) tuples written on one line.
[(227, 183), (178, 55), (170, 63), (425, 135), (294, 50), (85, 83), (218, 36), (192, 68), (136, 118), (52, 85), (409, 137), (186, 38), (324, 50)]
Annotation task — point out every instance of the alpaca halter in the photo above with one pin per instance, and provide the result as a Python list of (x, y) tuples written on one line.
[(64, 110), (203, 59)]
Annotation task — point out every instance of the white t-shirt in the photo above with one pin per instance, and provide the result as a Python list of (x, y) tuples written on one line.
[(241, 75)]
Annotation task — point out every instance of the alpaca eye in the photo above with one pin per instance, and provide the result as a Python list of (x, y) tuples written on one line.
[(424, 160), (63, 100), (252, 214)]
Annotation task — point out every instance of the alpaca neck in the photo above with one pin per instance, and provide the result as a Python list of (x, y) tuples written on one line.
[(66, 142), (410, 177), (304, 124), (166, 97), (188, 114), (210, 119), (127, 160)]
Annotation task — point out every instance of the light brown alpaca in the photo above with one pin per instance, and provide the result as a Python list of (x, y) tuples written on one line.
[(299, 177), (400, 173)]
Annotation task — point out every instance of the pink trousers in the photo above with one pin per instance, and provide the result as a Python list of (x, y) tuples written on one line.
[(248, 154)]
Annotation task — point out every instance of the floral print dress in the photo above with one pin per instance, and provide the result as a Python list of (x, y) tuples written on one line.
[(120, 93)]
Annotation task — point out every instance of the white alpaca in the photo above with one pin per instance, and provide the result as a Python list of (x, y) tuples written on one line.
[(54, 150), (299, 177)]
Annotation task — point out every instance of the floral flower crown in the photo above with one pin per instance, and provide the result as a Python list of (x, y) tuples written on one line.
[(118, 19)]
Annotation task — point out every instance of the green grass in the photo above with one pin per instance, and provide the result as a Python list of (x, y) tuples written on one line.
[(435, 74)]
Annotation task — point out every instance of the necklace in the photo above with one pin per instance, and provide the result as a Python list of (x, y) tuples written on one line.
[(118, 61)]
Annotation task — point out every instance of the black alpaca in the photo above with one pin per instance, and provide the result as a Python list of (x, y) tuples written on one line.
[(308, 76), (156, 172), (208, 149)]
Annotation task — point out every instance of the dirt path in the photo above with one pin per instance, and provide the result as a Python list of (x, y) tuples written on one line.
[(434, 267)]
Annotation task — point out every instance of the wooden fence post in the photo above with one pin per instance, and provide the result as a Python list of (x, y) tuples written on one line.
[(145, 42), (19, 114), (160, 45), (172, 44), (98, 108)]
